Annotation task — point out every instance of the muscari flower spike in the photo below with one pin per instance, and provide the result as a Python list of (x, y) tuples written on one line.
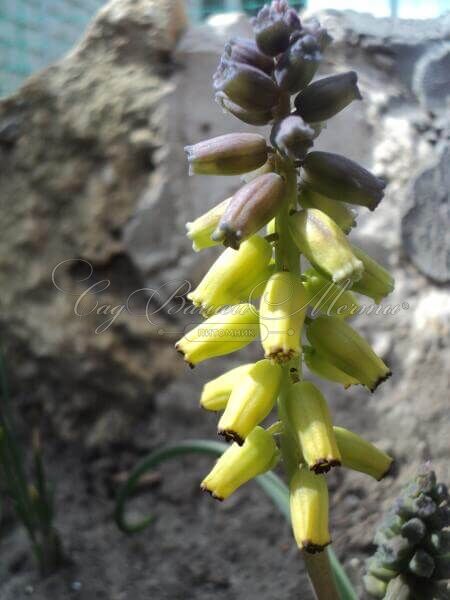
[(412, 560), (301, 198)]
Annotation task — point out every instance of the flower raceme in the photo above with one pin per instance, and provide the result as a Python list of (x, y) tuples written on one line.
[(302, 198)]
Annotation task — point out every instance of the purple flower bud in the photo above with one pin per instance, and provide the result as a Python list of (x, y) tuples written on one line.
[(292, 137), (297, 66), (243, 50), (273, 27), (250, 88), (324, 98), (340, 178), (313, 27), (251, 207), (251, 117), (229, 154)]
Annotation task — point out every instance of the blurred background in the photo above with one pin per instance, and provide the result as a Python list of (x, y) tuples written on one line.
[(97, 102)]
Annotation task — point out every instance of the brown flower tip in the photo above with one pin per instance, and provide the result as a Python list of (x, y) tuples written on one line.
[(211, 493), (231, 436), (380, 380), (311, 548), (281, 355), (323, 465)]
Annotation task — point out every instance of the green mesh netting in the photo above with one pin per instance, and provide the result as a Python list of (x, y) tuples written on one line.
[(34, 33)]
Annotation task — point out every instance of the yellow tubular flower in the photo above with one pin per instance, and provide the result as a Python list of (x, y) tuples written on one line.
[(322, 368), (216, 392), (221, 334), (310, 418), (282, 312), (200, 230), (342, 215), (376, 282), (342, 346), (309, 510), (251, 400), (325, 246), (326, 297), (239, 464), (236, 276), (360, 455)]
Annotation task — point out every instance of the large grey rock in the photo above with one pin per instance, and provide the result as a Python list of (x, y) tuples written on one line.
[(80, 143), (426, 225)]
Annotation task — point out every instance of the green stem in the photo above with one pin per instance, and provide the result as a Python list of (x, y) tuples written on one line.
[(287, 258)]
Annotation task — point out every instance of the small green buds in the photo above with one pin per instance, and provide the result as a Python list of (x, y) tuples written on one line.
[(343, 179), (236, 276), (375, 282), (200, 230), (326, 297), (246, 86), (342, 215), (282, 312), (251, 400), (325, 245), (360, 455), (273, 26), (310, 419), (221, 334), (322, 368), (412, 559), (309, 510), (252, 207), (343, 347), (292, 137), (216, 392), (229, 154), (239, 464), (298, 65), (324, 98)]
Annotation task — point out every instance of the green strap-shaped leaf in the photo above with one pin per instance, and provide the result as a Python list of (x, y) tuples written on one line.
[(274, 487)]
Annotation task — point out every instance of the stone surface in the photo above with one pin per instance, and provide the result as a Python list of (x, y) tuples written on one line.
[(426, 225), (92, 168)]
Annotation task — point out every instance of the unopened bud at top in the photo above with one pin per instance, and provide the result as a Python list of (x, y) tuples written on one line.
[(243, 50), (247, 86), (325, 245), (273, 26), (324, 98), (313, 27), (298, 65), (292, 137), (251, 117), (343, 179), (239, 464), (229, 154), (252, 207)]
